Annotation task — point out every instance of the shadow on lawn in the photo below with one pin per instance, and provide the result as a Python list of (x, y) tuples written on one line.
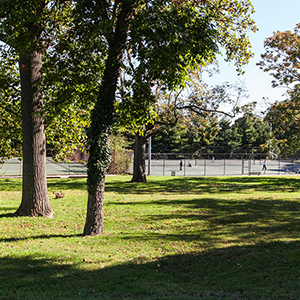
[(264, 271), (218, 220), (206, 185), (171, 184), (38, 237), (13, 184)]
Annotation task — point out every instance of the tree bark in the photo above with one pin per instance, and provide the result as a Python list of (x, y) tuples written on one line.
[(139, 165), (102, 120), (35, 201), (94, 220)]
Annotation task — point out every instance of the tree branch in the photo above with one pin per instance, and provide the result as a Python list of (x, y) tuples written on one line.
[(196, 110)]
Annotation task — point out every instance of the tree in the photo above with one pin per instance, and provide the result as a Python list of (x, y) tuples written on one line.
[(187, 118), (151, 43), (284, 119), (253, 131), (44, 94), (282, 57), (11, 129), (191, 40), (103, 113), (24, 35), (282, 60), (247, 133), (114, 18), (228, 139)]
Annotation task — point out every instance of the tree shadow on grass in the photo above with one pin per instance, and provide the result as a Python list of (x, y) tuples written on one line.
[(38, 237), (67, 184), (245, 220), (190, 185), (10, 184), (171, 184), (8, 215), (263, 271)]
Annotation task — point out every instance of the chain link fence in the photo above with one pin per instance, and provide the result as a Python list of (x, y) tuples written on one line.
[(219, 164), (179, 164), (13, 167)]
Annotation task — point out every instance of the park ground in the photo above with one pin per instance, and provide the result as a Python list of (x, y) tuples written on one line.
[(172, 238)]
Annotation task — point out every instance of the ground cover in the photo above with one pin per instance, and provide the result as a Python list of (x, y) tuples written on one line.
[(172, 238)]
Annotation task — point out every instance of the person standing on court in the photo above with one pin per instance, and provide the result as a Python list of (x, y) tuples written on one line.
[(264, 168), (180, 165)]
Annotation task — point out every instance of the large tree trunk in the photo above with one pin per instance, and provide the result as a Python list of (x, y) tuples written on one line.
[(139, 165), (35, 201), (102, 120)]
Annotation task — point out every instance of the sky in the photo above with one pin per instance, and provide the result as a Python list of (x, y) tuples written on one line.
[(270, 16)]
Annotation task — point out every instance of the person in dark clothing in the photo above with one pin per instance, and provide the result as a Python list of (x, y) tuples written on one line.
[(264, 168), (180, 165)]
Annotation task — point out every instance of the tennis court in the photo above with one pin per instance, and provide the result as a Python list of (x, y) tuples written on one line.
[(13, 167), (171, 167), (222, 167)]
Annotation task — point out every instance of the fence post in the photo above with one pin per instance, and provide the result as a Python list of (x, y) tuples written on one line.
[(242, 166)]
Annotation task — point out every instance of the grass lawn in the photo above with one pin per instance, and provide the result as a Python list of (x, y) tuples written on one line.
[(172, 238)]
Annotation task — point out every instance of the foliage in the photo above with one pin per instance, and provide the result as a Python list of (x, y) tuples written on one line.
[(281, 58), (10, 114), (253, 131), (187, 135), (194, 120), (194, 134), (284, 117), (156, 31), (193, 33), (246, 133), (70, 77), (228, 138), (121, 160), (233, 20)]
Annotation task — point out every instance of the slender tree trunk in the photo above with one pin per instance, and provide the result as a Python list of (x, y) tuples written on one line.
[(102, 120), (99, 159), (35, 201), (139, 165)]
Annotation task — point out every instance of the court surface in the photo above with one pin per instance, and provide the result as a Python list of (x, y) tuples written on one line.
[(13, 167)]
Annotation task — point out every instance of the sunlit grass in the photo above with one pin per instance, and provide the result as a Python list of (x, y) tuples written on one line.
[(172, 238)]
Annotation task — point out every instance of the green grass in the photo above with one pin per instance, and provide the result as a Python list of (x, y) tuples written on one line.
[(172, 238)]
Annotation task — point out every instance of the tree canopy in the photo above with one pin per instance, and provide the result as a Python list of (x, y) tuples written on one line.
[(282, 61), (284, 119), (282, 58), (103, 30), (41, 61)]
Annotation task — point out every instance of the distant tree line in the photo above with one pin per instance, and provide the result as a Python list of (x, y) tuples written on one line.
[(225, 136)]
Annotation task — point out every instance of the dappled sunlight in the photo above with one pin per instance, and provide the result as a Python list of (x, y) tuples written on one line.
[(238, 272), (190, 185), (170, 239)]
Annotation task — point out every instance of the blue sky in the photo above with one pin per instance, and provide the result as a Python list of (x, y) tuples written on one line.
[(270, 16)]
